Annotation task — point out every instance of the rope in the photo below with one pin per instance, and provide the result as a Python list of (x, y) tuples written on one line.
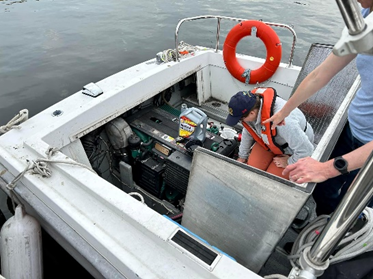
[(184, 49), (40, 167), (15, 121), (167, 55), (357, 243)]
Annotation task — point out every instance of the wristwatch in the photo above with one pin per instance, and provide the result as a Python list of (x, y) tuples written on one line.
[(340, 164)]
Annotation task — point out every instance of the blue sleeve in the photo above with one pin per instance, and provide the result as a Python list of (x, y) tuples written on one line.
[(365, 12)]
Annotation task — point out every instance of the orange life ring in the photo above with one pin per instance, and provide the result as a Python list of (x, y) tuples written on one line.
[(271, 42)]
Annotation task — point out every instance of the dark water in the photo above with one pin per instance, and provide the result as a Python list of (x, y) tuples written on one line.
[(49, 49)]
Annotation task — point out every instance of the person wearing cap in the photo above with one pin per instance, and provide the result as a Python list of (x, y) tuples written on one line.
[(271, 150)]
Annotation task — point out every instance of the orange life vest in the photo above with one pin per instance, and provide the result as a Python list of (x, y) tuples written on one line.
[(268, 95)]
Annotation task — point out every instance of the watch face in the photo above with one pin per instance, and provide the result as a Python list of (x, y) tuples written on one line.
[(340, 163)]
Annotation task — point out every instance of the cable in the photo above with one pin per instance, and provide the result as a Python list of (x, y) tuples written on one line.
[(138, 195), (164, 97)]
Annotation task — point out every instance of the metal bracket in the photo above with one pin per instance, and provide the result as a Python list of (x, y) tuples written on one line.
[(356, 40)]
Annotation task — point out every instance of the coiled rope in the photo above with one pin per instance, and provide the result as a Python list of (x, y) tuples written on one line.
[(357, 243), (167, 55), (184, 49)]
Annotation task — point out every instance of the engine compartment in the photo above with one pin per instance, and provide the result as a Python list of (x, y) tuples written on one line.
[(142, 153)]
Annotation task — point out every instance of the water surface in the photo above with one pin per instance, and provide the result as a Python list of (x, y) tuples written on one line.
[(50, 49)]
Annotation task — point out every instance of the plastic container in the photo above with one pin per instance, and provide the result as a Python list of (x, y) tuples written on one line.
[(193, 124), (228, 133)]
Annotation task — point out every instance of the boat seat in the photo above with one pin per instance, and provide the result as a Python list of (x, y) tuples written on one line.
[(322, 106)]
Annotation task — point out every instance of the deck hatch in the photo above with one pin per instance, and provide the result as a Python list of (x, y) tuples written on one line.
[(193, 246)]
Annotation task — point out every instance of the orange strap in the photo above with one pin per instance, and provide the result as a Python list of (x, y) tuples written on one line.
[(269, 98)]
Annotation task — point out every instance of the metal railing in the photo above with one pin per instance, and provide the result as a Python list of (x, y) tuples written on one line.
[(351, 15), (360, 191), (219, 18), (352, 205)]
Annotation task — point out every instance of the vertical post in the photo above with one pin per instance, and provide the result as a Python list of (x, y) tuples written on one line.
[(351, 206), (352, 16), (217, 35)]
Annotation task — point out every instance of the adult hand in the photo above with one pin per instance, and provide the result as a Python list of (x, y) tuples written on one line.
[(278, 119), (241, 160), (306, 170), (281, 161)]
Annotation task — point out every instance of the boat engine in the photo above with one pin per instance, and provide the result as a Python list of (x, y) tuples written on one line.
[(145, 146)]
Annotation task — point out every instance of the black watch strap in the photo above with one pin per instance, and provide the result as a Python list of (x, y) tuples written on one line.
[(341, 165)]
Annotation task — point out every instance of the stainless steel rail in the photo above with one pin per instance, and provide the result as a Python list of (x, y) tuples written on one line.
[(219, 18), (351, 206), (361, 190), (352, 16)]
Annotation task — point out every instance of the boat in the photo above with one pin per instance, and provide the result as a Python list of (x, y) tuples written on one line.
[(107, 175)]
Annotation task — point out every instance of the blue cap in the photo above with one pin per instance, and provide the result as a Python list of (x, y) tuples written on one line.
[(240, 103)]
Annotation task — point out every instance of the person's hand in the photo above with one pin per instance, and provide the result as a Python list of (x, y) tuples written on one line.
[(278, 119), (306, 170), (241, 160), (281, 161)]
